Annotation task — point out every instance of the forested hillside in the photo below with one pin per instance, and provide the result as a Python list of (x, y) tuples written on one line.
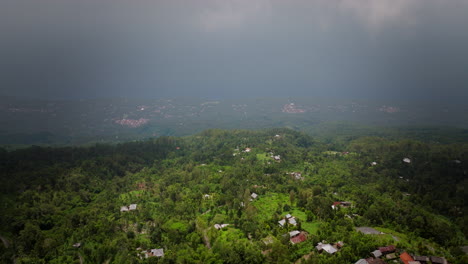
[(228, 197)]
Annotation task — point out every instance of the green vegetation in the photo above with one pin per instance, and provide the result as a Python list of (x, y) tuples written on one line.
[(53, 198)]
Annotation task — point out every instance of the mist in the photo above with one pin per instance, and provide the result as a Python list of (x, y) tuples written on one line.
[(358, 49)]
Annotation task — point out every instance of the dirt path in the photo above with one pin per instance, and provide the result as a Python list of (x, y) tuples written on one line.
[(5, 242), (206, 239), (303, 258), (206, 212), (81, 258)]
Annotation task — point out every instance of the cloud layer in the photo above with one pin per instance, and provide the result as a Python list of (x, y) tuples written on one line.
[(221, 48)]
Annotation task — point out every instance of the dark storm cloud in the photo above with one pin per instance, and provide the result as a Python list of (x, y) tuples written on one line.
[(220, 48)]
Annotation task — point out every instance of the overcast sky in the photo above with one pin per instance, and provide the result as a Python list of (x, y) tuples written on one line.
[(388, 49)]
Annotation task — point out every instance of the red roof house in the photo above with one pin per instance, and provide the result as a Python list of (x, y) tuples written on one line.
[(387, 249), (375, 261), (299, 238), (406, 258)]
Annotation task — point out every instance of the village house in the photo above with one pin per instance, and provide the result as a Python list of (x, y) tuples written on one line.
[(296, 175), (422, 259), (158, 252), (387, 250), (294, 233), (406, 160), (370, 261), (375, 261), (220, 226), (376, 253), (406, 258), (152, 253), (339, 244), (282, 222), (254, 196), (326, 247), (438, 260), (298, 238), (128, 208), (391, 256), (277, 158), (335, 205), (361, 261), (288, 219)]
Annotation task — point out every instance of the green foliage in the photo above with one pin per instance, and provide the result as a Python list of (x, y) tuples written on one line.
[(53, 198)]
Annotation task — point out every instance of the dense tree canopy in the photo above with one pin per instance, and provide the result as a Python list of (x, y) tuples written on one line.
[(53, 198)]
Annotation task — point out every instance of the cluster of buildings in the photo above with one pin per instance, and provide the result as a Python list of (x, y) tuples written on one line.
[(291, 108), (155, 252), (132, 122), (414, 259), (296, 175), (288, 219), (295, 236), (389, 109), (383, 255)]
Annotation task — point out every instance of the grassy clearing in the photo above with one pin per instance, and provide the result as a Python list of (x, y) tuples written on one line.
[(310, 227), (268, 204), (409, 242), (263, 157)]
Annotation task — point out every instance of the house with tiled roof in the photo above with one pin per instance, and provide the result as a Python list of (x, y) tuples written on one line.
[(335, 205), (157, 252), (375, 261), (406, 258), (301, 237), (376, 253), (422, 259), (438, 260), (288, 219), (362, 261), (387, 249), (326, 247), (128, 208)]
